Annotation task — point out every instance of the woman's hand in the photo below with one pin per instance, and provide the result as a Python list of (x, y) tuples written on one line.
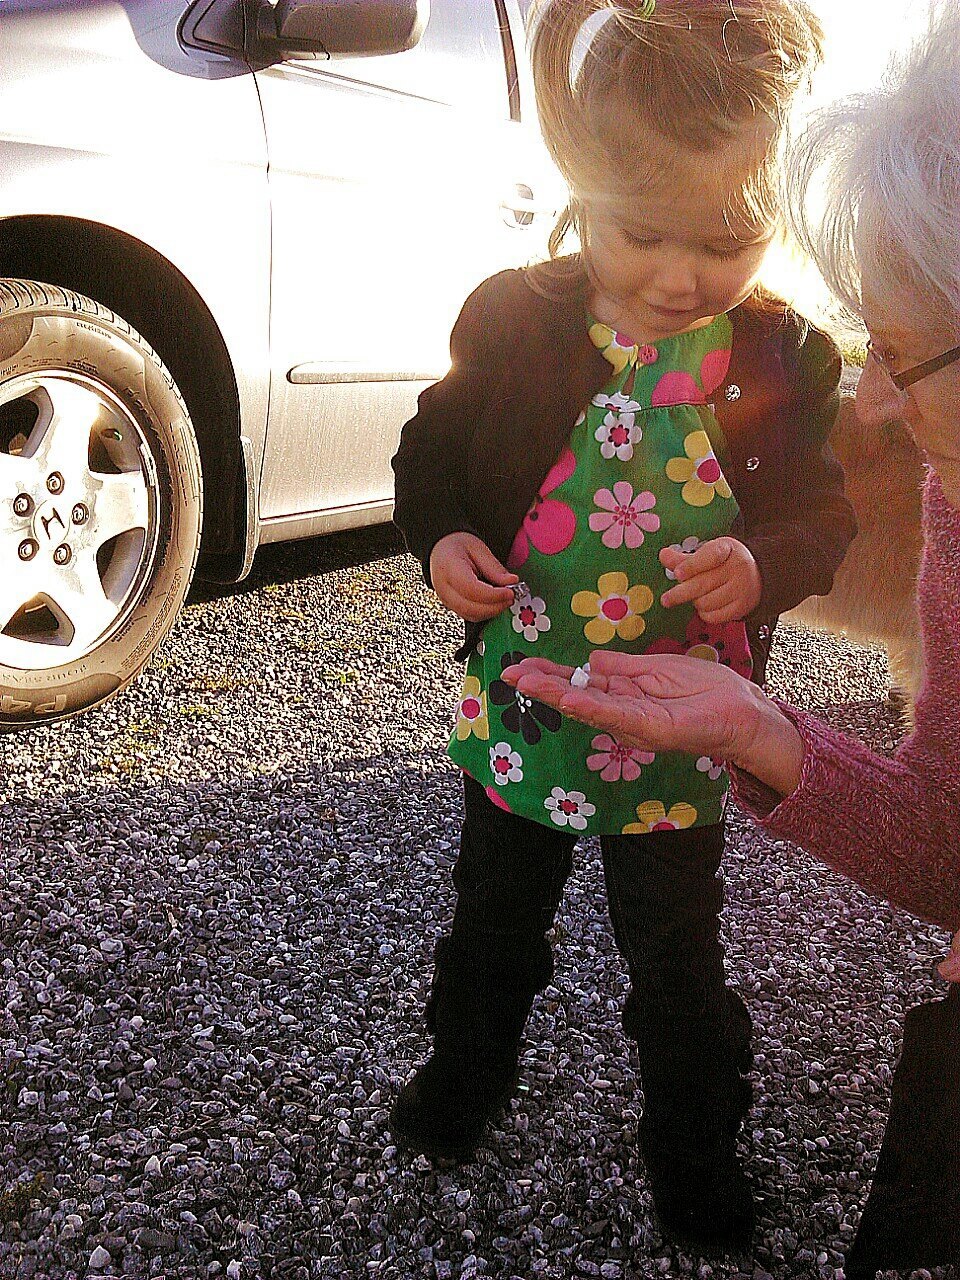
[(674, 703), (662, 703), (950, 968), (469, 578)]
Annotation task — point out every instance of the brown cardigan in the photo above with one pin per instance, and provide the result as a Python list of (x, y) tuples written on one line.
[(523, 367)]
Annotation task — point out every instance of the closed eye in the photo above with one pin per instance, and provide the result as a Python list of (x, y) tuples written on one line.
[(726, 254), (639, 242)]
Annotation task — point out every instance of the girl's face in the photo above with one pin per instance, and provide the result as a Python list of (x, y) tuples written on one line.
[(930, 407), (675, 256)]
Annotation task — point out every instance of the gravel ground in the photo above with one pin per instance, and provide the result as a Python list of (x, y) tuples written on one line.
[(219, 896)]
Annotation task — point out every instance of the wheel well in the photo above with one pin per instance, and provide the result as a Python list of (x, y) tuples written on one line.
[(142, 286)]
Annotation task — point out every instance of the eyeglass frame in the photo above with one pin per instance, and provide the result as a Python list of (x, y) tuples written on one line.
[(909, 376)]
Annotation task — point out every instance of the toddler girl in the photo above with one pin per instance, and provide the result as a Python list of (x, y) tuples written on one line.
[(628, 451)]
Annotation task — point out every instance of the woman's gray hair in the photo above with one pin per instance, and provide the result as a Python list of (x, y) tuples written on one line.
[(873, 182)]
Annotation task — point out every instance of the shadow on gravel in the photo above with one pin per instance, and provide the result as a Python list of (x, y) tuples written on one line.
[(290, 561)]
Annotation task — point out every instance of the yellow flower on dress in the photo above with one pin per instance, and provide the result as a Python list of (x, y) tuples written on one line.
[(699, 472), (618, 349), (614, 609), (653, 817), (472, 711), (705, 652)]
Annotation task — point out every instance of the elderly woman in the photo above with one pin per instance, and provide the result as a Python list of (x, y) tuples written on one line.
[(889, 246)]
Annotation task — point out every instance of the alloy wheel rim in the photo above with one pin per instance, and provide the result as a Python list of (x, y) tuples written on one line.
[(79, 517)]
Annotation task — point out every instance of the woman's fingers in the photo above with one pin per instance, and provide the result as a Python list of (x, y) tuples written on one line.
[(605, 667), (613, 703), (542, 685), (512, 674), (622, 717)]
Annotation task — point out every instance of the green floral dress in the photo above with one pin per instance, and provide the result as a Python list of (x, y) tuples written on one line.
[(639, 474)]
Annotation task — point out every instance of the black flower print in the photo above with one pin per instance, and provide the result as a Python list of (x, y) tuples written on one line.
[(521, 714)]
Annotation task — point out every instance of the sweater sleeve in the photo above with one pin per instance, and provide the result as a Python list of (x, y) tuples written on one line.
[(883, 822), (429, 494), (799, 541), (890, 823)]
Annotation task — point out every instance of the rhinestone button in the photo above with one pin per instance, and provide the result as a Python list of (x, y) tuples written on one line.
[(752, 464), (648, 355), (764, 633), (733, 392)]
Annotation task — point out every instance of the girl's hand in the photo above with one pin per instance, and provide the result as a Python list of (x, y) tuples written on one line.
[(662, 703), (469, 578), (950, 968), (721, 578)]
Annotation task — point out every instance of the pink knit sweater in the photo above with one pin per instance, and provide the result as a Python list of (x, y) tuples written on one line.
[(891, 824)]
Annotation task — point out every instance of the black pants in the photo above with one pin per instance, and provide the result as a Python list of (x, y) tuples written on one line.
[(664, 896)]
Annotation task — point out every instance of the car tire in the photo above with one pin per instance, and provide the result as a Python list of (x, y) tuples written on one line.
[(100, 502)]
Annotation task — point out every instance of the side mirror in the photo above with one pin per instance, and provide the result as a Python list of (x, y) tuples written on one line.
[(339, 28)]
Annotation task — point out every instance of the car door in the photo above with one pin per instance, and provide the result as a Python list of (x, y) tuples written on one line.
[(391, 184)]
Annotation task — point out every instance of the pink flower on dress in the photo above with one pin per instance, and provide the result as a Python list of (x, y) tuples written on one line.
[(615, 761), (714, 367), (624, 518), (677, 387), (549, 524)]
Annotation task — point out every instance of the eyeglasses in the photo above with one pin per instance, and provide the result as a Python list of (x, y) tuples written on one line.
[(909, 376)]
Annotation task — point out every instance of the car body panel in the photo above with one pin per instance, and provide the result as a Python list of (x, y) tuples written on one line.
[(105, 118), (387, 177)]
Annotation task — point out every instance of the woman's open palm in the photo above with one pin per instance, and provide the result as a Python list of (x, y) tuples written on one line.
[(662, 703)]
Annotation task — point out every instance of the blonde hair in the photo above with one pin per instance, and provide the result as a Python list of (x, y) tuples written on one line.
[(874, 181), (693, 71)]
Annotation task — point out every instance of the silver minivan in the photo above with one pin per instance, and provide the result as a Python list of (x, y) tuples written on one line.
[(234, 235)]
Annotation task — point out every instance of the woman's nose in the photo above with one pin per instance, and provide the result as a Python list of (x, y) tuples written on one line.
[(878, 400)]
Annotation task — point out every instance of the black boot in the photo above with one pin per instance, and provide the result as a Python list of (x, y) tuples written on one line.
[(476, 1012), (703, 1199), (695, 1101), (444, 1109)]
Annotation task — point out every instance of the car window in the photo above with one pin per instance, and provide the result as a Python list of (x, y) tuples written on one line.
[(459, 60)]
